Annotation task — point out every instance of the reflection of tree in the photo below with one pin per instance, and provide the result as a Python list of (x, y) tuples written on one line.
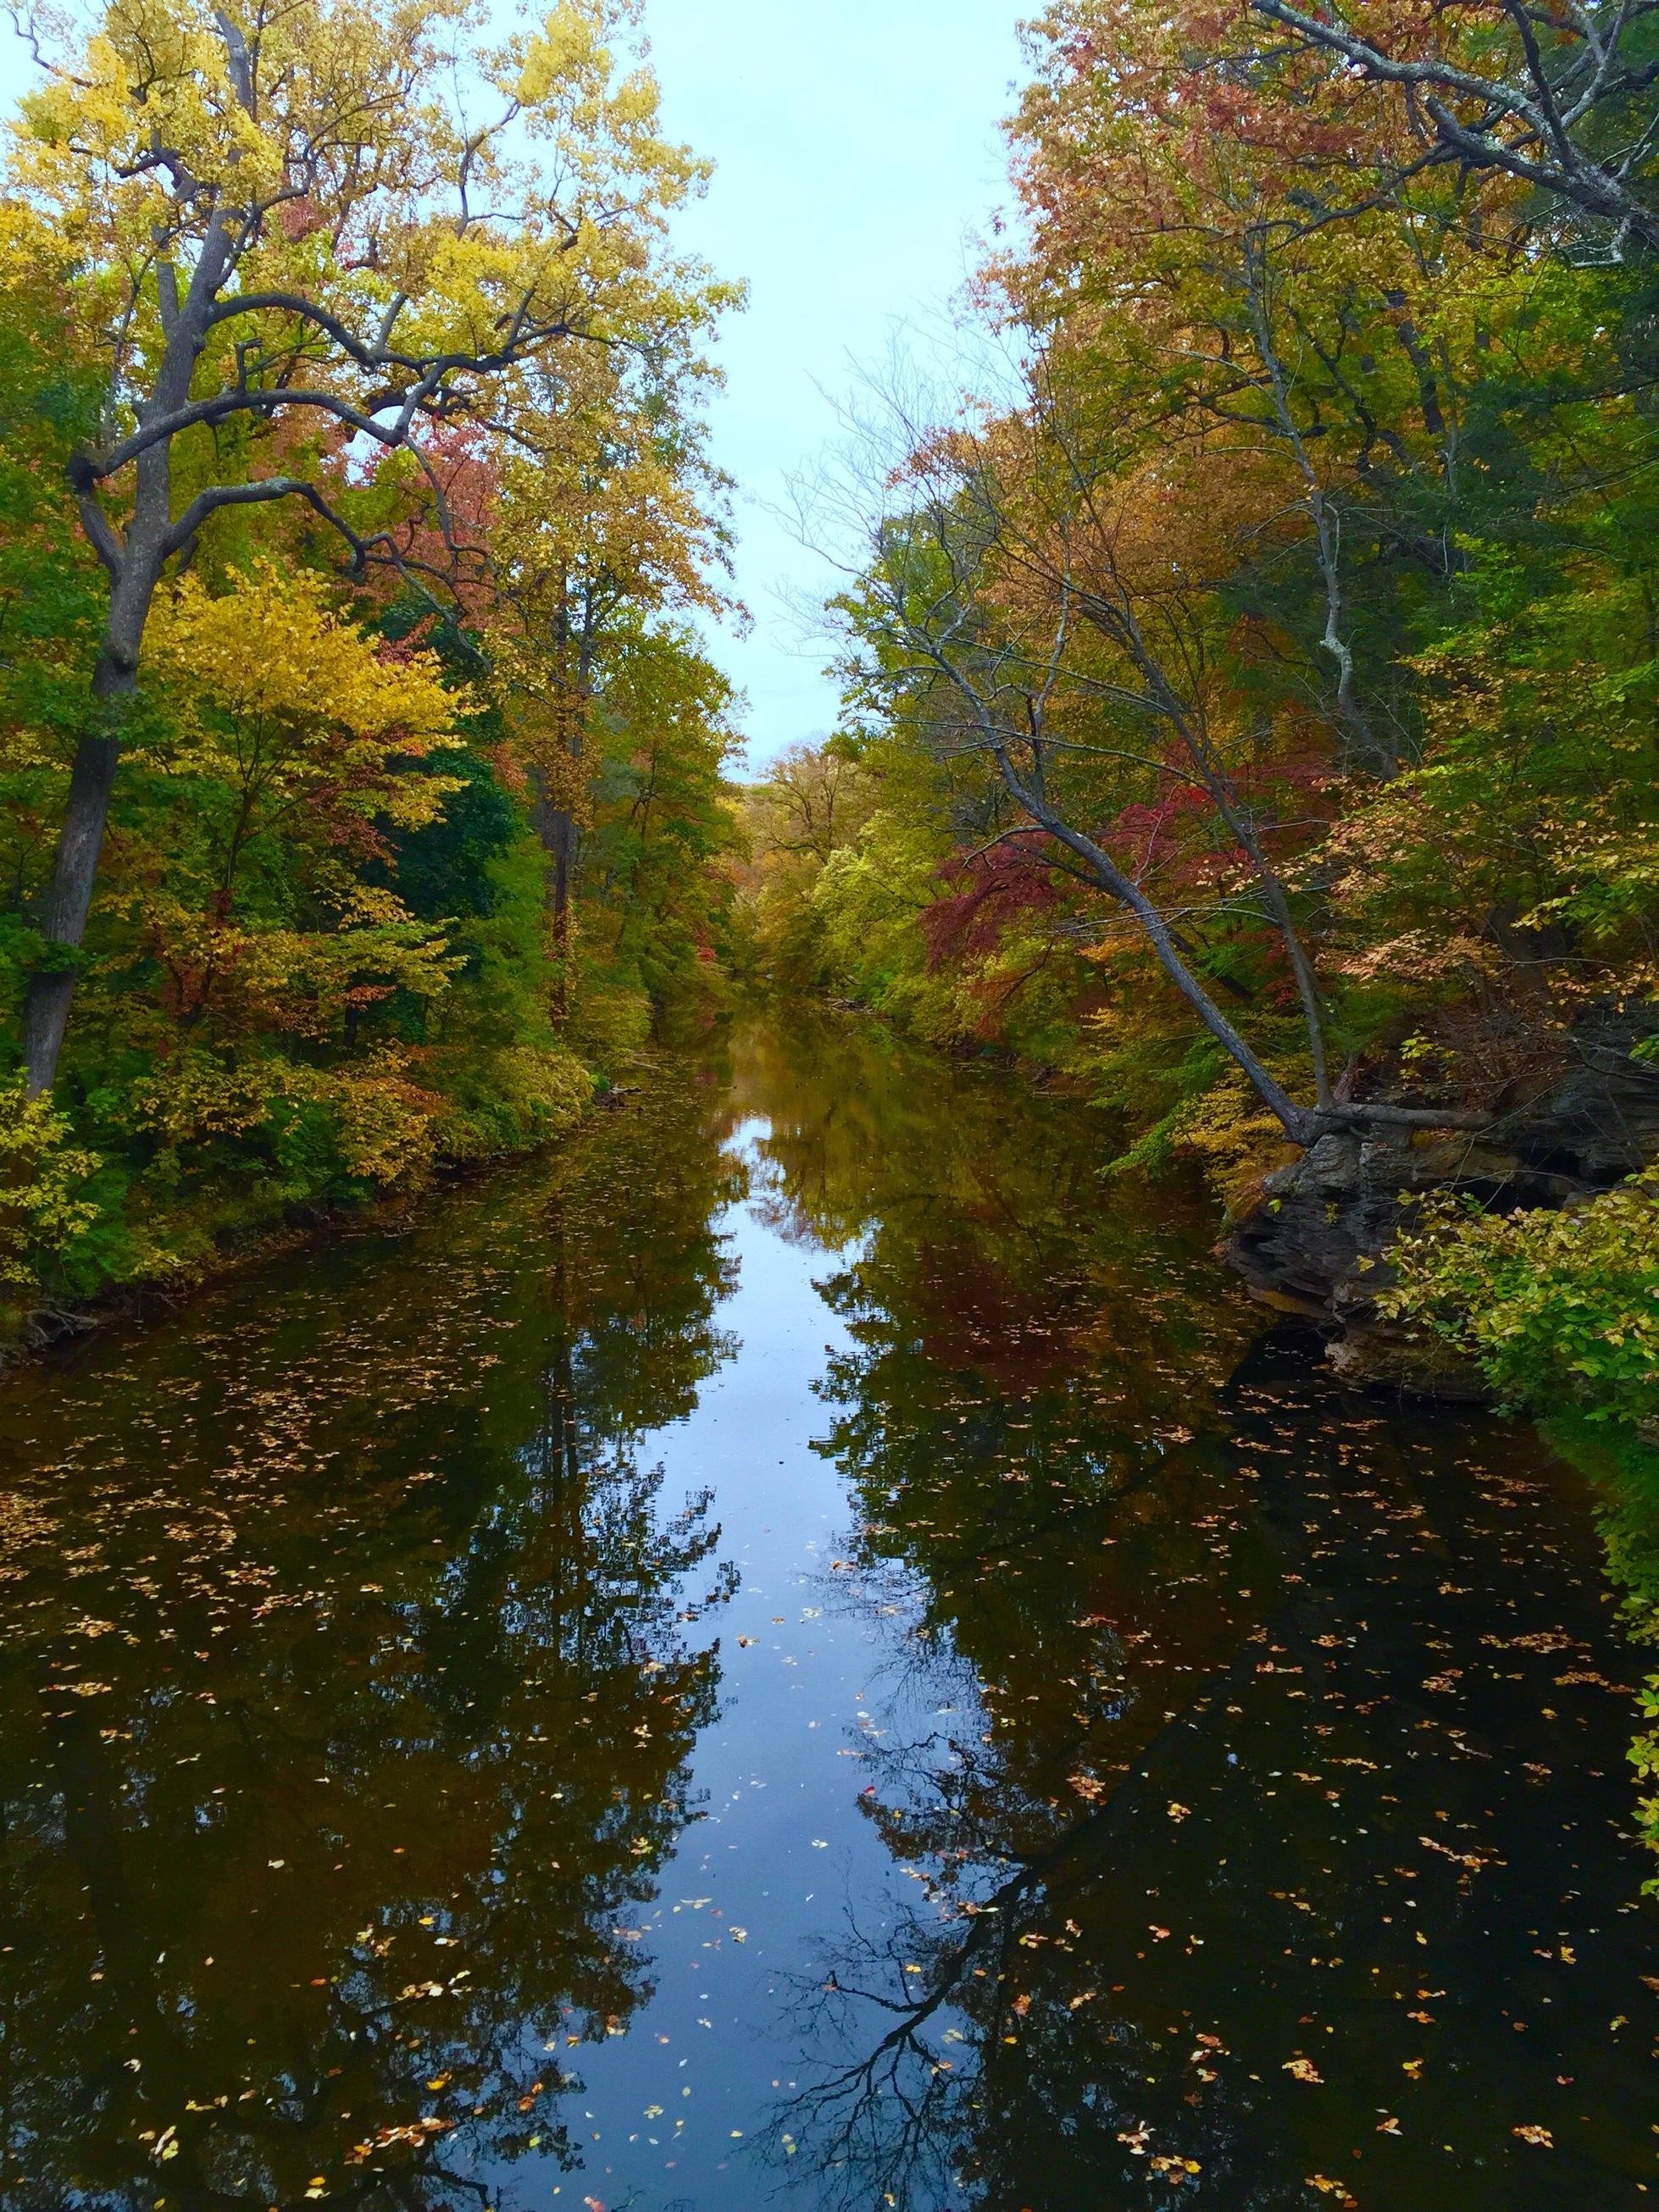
[(863, 1133), (375, 1601), (1111, 1950), (346, 1711), (957, 2052), (1011, 1417)]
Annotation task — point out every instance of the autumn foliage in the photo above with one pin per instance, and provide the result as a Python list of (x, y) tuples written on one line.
[(361, 784)]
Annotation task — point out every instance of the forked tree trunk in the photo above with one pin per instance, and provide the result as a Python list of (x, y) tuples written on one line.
[(555, 832), (134, 561)]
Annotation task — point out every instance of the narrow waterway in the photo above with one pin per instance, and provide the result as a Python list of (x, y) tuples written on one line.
[(808, 1652)]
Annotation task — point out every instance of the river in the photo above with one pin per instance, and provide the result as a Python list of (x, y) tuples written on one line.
[(807, 1650)]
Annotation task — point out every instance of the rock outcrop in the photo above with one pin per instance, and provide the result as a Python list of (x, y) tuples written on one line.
[(1311, 1243)]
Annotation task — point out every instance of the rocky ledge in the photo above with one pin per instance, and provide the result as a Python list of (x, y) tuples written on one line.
[(1311, 1243)]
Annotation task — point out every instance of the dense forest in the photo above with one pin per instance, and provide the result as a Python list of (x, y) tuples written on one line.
[(1250, 642), (362, 789), (1249, 654)]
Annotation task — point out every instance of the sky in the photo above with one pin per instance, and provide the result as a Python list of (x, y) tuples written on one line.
[(858, 159)]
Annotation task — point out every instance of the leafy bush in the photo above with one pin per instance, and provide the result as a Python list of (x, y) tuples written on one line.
[(523, 1095), (1549, 1305), (46, 1207)]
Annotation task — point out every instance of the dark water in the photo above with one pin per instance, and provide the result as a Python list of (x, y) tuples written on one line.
[(806, 1653)]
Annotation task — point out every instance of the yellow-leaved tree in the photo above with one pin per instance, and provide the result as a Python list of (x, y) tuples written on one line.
[(284, 749), (607, 511), (309, 235)]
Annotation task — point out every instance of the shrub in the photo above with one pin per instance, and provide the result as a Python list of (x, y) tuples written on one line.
[(47, 1207), (1548, 1304)]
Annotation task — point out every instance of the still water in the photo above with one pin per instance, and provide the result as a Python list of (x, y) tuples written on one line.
[(806, 1652)]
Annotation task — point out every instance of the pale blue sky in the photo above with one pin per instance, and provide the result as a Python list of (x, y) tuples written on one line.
[(858, 159)]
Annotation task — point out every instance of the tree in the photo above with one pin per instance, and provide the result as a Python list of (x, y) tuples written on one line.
[(1552, 97), (813, 801), (662, 822), (605, 512), (998, 553), (301, 247), (1287, 395), (291, 744)]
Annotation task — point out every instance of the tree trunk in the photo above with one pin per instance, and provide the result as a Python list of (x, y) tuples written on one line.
[(565, 841), (562, 838), (555, 830), (51, 990)]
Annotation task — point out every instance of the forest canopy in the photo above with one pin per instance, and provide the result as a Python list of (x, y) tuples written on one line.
[(1251, 683), (360, 777)]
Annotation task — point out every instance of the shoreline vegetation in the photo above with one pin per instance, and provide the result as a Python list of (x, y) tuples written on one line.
[(1248, 646), (240, 1246), (362, 784)]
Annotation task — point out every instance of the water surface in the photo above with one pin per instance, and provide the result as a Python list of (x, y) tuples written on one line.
[(807, 1651)]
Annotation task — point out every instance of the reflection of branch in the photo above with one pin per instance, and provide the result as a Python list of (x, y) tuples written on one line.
[(853, 2105), (407, 2178)]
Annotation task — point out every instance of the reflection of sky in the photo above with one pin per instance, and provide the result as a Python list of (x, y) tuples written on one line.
[(858, 154), (780, 1851)]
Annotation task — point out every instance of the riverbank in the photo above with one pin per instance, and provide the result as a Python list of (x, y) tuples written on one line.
[(1317, 1234), (87, 1239)]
